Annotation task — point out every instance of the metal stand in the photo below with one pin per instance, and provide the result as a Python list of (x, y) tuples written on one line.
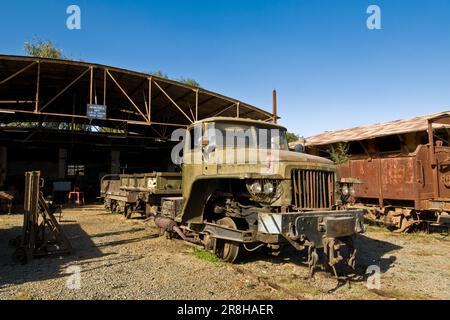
[(41, 235), (8, 198)]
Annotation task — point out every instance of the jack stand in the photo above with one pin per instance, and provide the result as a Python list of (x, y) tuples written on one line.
[(41, 234)]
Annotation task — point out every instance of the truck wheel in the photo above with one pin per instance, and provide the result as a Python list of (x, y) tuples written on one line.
[(227, 250)]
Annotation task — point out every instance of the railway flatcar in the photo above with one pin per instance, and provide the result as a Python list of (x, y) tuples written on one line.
[(138, 193)]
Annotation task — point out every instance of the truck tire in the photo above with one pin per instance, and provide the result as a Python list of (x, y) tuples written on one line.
[(227, 250)]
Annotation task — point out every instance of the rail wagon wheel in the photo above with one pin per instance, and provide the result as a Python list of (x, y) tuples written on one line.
[(127, 212), (107, 204), (113, 207), (227, 250)]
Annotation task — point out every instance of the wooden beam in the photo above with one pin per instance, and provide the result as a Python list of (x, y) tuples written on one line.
[(150, 99), (64, 90), (176, 105), (126, 95), (38, 80), (176, 100), (196, 104), (104, 87), (17, 73), (91, 83), (222, 111), (157, 132), (77, 116), (17, 101)]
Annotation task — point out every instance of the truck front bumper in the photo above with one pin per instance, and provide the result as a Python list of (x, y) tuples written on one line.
[(313, 227)]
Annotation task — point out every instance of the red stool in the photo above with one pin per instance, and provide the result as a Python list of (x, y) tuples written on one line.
[(76, 197)]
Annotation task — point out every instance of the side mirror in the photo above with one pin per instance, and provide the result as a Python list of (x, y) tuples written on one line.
[(205, 142), (299, 148)]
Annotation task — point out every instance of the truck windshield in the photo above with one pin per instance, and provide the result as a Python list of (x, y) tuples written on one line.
[(236, 135)]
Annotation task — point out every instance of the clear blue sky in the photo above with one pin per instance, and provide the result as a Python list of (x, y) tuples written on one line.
[(330, 71)]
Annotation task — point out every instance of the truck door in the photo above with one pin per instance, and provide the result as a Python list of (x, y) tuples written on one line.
[(208, 145)]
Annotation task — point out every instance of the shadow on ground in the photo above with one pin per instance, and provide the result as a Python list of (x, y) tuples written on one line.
[(85, 253), (369, 252)]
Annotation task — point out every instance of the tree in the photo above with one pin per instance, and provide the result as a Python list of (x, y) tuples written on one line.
[(189, 81), (159, 73), (292, 137), (42, 49), (339, 154)]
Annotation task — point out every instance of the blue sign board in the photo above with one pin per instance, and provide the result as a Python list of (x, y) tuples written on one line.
[(96, 111)]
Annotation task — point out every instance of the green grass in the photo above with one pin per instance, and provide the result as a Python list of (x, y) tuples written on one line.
[(208, 256), (415, 235), (423, 236)]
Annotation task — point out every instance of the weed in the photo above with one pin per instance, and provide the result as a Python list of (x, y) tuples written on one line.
[(208, 256)]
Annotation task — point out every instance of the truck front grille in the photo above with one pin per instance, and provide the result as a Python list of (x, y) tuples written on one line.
[(312, 189)]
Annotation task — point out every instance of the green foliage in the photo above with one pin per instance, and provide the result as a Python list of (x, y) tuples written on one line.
[(339, 154), (208, 256), (69, 126), (189, 81), (292, 137), (42, 49), (159, 73)]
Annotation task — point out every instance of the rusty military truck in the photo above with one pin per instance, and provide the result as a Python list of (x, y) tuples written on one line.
[(242, 189)]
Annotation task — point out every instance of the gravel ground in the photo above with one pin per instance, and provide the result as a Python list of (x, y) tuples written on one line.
[(413, 266), (126, 259)]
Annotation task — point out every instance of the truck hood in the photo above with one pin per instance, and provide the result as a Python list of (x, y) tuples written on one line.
[(290, 156), (269, 155)]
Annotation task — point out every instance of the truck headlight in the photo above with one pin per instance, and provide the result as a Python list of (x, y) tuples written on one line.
[(345, 190), (352, 191), (256, 187), (269, 188), (264, 191)]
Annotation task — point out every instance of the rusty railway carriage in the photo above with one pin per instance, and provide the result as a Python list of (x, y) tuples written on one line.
[(405, 190)]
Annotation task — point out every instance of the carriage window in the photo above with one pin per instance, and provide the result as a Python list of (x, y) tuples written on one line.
[(441, 135), (388, 144)]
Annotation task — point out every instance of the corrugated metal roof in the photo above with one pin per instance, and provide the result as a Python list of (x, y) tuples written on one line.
[(375, 130), (126, 93)]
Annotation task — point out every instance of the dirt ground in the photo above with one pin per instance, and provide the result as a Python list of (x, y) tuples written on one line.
[(126, 259)]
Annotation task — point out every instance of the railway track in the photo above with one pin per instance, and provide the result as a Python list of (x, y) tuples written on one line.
[(324, 278)]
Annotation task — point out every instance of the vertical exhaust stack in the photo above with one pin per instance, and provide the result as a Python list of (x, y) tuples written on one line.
[(274, 106)]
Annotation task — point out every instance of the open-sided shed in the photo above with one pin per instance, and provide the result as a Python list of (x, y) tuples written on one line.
[(78, 120)]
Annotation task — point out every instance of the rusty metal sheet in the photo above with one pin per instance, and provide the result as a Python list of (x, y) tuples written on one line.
[(415, 124), (391, 178), (363, 169)]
